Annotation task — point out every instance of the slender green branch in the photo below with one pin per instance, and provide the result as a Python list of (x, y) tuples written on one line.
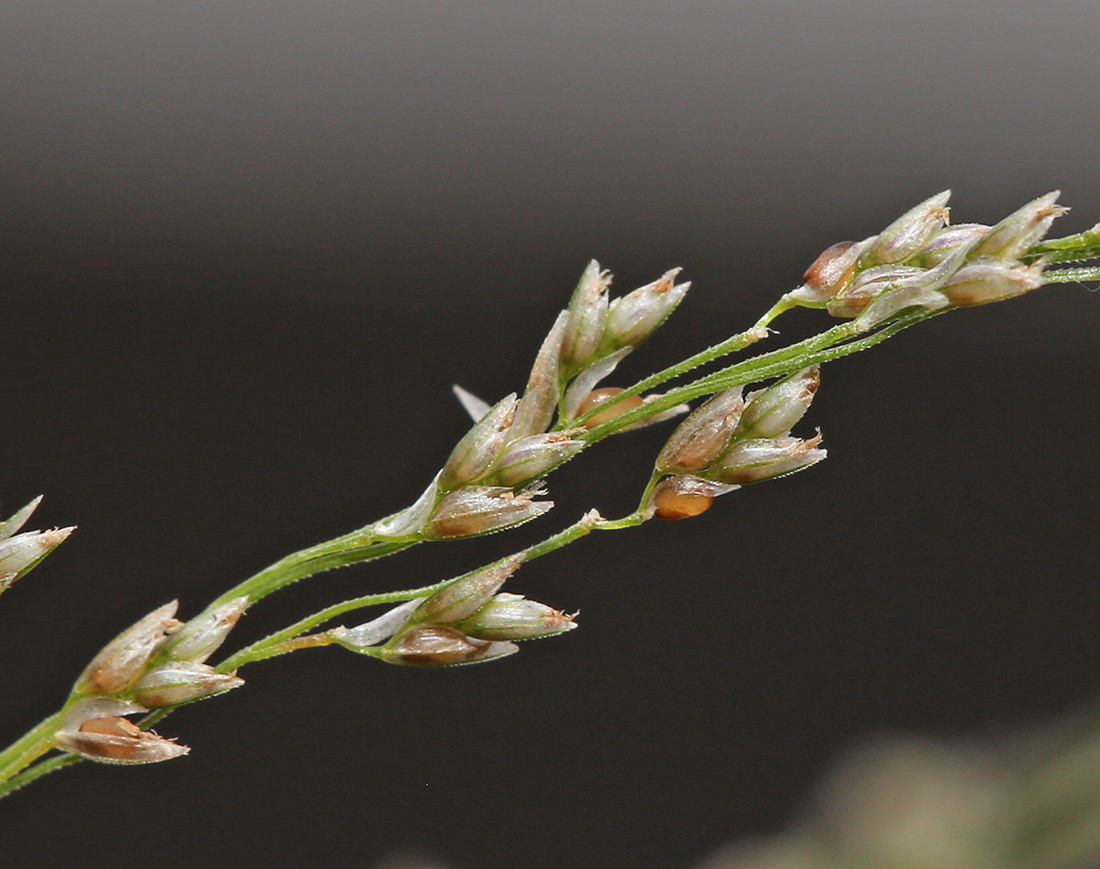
[(257, 651), (339, 552), (29, 747), (1071, 248), (731, 345), (740, 374), (784, 360), (1066, 276), (276, 643), (37, 771), (812, 351)]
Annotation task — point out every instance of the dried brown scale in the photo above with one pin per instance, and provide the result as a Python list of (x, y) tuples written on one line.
[(113, 739), (118, 744), (435, 645), (811, 384)]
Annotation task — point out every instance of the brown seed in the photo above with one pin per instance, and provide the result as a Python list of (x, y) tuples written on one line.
[(680, 498), (111, 726), (115, 738), (460, 526), (672, 506), (597, 397)]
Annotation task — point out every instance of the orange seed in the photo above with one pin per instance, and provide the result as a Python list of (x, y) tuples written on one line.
[(680, 498), (597, 397)]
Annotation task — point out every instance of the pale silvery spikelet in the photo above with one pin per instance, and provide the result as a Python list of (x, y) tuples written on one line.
[(123, 660)]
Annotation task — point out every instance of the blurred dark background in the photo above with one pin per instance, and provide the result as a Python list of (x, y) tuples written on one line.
[(248, 247)]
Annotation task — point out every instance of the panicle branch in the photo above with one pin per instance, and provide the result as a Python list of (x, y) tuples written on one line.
[(918, 267)]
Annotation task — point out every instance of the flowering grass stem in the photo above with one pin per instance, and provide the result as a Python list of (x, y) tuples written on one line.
[(918, 268)]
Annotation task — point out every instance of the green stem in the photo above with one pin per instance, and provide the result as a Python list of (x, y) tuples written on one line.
[(785, 360), (29, 747), (731, 345), (262, 649), (643, 502), (1072, 248), (813, 351), (279, 642), (1065, 276), (37, 771), (738, 375), (349, 549), (282, 642)]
